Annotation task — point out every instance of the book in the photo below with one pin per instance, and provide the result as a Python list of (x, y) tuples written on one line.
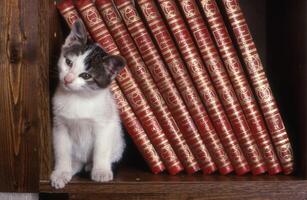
[(185, 85), (165, 83), (129, 87), (139, 71), (260, 84), (204, 85), (130, 121), (240, 83), (136, 131), (223, 85)]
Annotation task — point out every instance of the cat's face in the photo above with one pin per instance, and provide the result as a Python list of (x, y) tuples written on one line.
[(85, 66)]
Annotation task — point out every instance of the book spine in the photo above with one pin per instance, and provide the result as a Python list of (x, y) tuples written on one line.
[(165, 84), (185, 85), (136, 131), (223, 86), (132, 124), (126, 82), (260, 83), (142, 75), (204, 86), (240, 83)]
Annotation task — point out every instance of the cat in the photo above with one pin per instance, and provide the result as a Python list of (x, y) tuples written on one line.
[(87, 130)]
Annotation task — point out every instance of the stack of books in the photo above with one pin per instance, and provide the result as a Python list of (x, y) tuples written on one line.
[(188, 98)]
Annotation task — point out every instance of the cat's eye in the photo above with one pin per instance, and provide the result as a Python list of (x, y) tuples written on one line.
[(68, 62), (85, 76)]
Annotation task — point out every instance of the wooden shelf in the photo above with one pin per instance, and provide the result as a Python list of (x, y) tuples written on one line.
[(131, 180)]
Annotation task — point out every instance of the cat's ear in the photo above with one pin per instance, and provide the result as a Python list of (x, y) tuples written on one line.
[(78, 34), (113, 64)]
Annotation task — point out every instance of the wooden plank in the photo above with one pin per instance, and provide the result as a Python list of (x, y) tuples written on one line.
[(189, 196), (132, 180), (23, 88), (51, 45)]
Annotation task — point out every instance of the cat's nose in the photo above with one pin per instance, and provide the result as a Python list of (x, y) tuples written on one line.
[(69, 78)]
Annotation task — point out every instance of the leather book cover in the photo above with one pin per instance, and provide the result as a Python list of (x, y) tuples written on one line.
[(164, 82), (146, 83), (223, 85), (240, 83), (185, 85), (260, 84), (204, 85)]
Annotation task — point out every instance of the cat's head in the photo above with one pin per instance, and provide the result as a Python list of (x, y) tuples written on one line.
[(85, 66)]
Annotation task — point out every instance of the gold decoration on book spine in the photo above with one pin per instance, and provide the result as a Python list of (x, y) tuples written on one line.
[(253, 63), (232, 65), (70, 16), (149, 11), (285, 153), (188, 8), (169, 9), (264, 93), (92, 17), (208, 6), (231, 6), (110, 16), (129, 14)]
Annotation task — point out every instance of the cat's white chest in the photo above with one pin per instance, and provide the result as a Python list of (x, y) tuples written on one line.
[(82, 138), (74, 108)]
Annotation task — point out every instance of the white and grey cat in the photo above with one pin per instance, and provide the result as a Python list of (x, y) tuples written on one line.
[(86, 126)]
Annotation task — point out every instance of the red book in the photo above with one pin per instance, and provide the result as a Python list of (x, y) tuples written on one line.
[(185, 85), (165, 84), (260, 84), (146, 83), (130, 88), (135, 130), (241, 85), (223, 86), (204, 85)]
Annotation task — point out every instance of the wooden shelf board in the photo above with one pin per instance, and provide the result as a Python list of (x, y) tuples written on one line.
[(129, 180)]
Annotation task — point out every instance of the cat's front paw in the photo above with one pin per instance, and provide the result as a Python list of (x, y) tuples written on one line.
[(102, 175), (60, 178)]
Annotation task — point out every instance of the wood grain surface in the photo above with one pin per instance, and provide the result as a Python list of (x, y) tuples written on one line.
[(24, 104)]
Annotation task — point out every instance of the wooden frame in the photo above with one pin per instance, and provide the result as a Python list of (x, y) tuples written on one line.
[(29, 46)]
